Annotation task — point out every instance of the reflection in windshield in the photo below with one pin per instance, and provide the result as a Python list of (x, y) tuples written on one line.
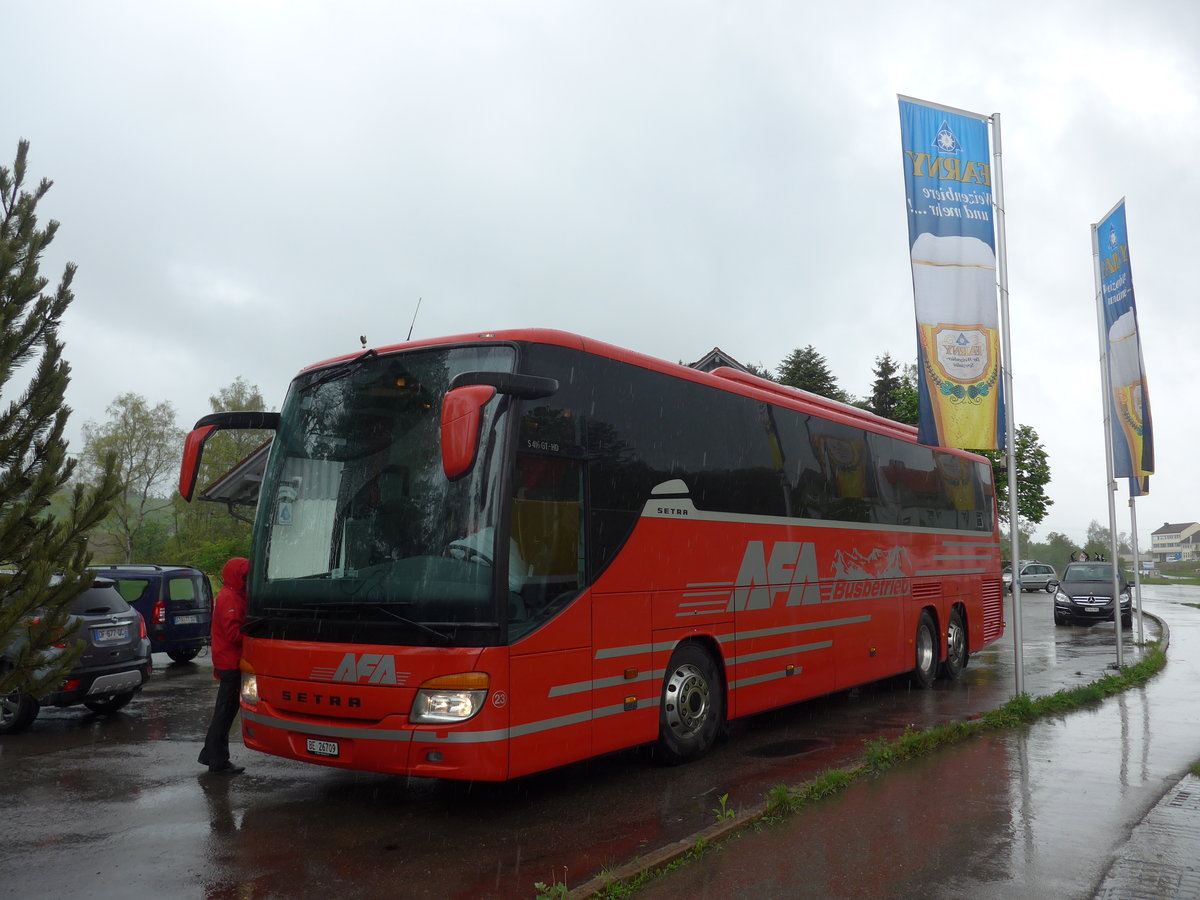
[(357, 510)]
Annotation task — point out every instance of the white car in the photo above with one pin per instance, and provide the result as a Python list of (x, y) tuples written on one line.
[(1034, 575)]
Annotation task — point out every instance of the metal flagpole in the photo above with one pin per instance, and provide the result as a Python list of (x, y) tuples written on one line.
[(1137, 570), (1010, 427), (1108, 448)]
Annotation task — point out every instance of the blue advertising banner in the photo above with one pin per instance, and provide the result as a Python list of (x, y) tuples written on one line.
[(952, 245), (1129, 399)]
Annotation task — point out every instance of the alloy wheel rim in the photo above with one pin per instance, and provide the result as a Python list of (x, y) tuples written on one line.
[(688, 701)]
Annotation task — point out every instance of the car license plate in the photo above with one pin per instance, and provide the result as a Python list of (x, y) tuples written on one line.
[(186, 620), (104, 635), (322, 748)]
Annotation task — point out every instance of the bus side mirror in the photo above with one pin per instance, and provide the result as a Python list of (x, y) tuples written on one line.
[(462, 417), (206, 427), (189, 468)]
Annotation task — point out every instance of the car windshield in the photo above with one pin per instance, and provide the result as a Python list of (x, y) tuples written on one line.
[(1089, 572), (357, 518)]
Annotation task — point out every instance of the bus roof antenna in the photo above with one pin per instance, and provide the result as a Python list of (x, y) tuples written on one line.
[(414, 321)]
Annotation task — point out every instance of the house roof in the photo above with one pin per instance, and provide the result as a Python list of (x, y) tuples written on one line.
[(714, 359), (1168, 528), (239, 486)]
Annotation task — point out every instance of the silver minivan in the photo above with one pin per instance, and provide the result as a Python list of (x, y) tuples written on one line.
[(1034, 576)]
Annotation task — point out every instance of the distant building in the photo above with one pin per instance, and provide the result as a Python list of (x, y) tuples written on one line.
[(714, 359), (1180, 541)]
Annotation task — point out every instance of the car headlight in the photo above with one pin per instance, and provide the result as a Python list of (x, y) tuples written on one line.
[(250, 688), (1061, 597), (450, 698)]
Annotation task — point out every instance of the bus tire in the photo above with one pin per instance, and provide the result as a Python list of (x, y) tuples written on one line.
[(925, 670), (956, 646), (692, 708)]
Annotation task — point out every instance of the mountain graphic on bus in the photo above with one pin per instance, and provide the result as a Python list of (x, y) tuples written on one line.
[(853, 565)]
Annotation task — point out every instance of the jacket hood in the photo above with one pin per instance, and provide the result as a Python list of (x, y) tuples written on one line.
[(233, 575)]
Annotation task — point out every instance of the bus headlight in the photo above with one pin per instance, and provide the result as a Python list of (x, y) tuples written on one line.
[(450, 698), (249, 688)]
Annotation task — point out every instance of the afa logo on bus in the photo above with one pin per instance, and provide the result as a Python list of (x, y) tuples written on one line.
[(791, 569), (372, 668)]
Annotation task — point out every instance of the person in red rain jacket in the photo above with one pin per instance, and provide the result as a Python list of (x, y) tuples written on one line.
[(229, 612)]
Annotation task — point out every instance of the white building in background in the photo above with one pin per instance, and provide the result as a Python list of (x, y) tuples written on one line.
[(1176, 542)]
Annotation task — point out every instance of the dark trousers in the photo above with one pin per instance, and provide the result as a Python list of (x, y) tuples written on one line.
[(215, 754)]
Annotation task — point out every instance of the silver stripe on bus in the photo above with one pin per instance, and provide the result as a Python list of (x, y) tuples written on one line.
[(760, 679), (634, 650), (928, 573), (788, 629), (685, 614), (650, 511), (328, 730), (549, 724), (562, 690), (783, 651), (618, 708)]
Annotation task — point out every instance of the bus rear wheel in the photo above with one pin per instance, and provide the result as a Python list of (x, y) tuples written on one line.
[(956, 646), (925, 670), (693, 705)]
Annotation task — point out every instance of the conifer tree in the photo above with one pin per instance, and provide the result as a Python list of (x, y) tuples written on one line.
[(35, 548), (885, 390), (807, 369)]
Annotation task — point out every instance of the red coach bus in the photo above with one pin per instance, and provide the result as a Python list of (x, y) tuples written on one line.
[(488, 555)]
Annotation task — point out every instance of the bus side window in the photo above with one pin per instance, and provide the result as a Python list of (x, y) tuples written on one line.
[(546, 531)]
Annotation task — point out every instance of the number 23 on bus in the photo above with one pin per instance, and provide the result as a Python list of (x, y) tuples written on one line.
[(487, 555)]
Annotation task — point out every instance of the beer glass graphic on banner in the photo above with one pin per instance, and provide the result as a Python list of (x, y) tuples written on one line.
[(1125, 375), (954, 285)]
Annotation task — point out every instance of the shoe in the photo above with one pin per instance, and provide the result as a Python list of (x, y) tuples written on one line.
[(227, 769)]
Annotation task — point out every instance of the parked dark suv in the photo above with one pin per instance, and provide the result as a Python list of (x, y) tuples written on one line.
[(113, 668), (175, 601)]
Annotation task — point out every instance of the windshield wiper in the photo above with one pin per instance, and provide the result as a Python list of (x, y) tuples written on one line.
[(341, 370), (386, 608)]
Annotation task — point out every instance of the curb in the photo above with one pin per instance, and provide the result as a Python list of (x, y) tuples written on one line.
[(723, 830), (1159, 860), (713, 834)]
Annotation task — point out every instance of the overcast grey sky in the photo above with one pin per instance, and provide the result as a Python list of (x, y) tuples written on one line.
[(249, 186)]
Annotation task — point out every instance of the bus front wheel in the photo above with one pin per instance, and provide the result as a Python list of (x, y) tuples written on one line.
[(926, 667), (693, 705)]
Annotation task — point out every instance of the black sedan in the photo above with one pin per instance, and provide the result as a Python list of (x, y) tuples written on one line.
[(1085, 595)]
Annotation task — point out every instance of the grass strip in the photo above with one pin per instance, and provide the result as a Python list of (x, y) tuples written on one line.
[(881, 755)]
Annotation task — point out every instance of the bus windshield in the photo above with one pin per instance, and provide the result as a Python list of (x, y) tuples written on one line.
[(359, 525)]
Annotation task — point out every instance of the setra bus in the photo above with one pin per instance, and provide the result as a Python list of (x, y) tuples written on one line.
[(483, 556)]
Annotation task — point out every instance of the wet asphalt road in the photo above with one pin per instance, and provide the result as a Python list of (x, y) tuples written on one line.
[(1038, 812), (117, 806)]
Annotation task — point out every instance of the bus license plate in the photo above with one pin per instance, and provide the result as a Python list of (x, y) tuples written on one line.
[(186, 620), (322, 748)]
